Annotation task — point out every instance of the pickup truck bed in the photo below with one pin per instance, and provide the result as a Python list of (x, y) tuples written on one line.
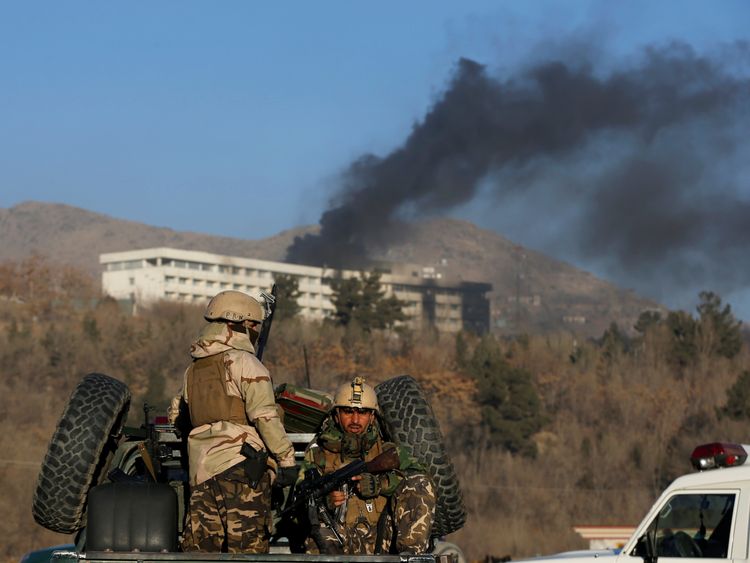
[(71, 556)]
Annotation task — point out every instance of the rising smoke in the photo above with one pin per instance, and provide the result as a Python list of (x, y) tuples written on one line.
[(642, 168)]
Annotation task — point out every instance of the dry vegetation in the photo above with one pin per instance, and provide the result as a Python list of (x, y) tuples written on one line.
[(620, 424)]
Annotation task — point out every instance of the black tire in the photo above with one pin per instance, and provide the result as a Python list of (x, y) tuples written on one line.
[(410, 422), (75, 459)]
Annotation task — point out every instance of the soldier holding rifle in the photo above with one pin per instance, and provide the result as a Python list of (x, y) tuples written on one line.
[(384, 512)]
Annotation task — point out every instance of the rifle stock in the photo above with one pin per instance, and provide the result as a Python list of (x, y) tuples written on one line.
[(387, 461)]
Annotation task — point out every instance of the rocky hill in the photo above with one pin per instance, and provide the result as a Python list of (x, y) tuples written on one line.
[(532, 292)]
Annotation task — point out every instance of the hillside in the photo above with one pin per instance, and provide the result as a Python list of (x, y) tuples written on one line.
[(532, 292), (76, 237)]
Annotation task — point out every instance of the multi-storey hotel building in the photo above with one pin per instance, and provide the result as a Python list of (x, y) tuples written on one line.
[(152, 274)]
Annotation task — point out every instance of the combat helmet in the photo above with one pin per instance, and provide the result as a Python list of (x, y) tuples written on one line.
[(357, 394), (233, 306)]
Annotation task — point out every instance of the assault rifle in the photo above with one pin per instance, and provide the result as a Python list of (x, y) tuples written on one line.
[(270, 307), (319, 487)]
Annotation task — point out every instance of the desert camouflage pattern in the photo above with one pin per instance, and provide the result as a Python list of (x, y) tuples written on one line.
[(412, 511), (214, 448), (227, 515)]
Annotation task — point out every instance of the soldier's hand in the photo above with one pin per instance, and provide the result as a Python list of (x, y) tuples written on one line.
[(337, 498), (173, 411), (286, 476), (368, 486)]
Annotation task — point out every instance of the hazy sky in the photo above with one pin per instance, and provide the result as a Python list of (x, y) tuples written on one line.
[(235, 118)]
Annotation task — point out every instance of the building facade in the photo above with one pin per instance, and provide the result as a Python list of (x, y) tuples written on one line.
[(152, 274)]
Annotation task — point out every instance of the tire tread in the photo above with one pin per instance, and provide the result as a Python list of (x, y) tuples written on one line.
[(410, 423), (91, 417)]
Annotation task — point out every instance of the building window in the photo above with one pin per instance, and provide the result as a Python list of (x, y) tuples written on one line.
[(126, 265), (189, 265)]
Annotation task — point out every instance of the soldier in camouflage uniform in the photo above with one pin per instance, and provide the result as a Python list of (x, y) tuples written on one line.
[(230, 398), (389, 512)]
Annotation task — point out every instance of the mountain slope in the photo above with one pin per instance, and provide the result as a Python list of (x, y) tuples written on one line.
[(77, 237), (531, 292)]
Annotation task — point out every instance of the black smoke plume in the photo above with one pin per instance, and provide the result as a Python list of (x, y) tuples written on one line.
[(640, 168)]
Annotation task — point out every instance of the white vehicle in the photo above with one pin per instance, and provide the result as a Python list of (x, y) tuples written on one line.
[(703, 515)]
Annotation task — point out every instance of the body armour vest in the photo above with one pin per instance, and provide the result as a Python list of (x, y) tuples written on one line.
[(208, 400)]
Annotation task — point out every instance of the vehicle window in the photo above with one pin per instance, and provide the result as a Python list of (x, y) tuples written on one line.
[(695, 525)]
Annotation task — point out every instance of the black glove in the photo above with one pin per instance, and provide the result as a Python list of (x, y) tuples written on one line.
[(369, 485), (286, 476)]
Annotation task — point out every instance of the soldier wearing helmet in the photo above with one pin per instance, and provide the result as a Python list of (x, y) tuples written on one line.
[(229, 395), (385, 513)]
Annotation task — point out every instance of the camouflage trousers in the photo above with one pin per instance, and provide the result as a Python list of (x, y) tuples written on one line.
[(227, 515), (408, 521)]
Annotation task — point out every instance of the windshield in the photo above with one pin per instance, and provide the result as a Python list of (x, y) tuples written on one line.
[(693, 525)]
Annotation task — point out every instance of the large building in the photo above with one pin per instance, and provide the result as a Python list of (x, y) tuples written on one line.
[(152, 274)]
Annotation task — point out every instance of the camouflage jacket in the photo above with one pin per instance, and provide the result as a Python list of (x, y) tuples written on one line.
[(215, 447), (327, 453)]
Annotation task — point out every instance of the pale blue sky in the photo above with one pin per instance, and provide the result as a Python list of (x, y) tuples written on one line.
[(234, 117)]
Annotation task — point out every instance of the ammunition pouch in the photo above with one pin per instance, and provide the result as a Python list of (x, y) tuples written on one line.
[(255, 464)]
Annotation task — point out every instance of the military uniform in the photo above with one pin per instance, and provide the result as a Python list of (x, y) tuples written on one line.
[(403, 509), (230, 397)]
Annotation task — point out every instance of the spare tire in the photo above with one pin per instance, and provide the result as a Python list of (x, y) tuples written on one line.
[(75, 459), (410, 422)]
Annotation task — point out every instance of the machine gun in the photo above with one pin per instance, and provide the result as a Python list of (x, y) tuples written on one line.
[(316, 487), (319, 487)]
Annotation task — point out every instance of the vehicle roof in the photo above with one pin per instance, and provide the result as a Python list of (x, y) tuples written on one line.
[(720, 476)]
